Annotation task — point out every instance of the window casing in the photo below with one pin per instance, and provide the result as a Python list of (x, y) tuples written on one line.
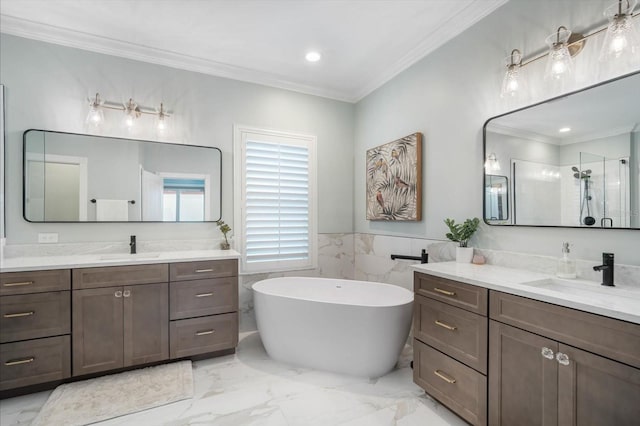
[(276, 201)]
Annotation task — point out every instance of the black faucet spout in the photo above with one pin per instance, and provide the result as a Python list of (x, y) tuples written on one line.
[(132, 244)]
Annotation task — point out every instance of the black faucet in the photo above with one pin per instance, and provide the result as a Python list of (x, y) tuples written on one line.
[(423, 258), (132, 244), (606, 268)]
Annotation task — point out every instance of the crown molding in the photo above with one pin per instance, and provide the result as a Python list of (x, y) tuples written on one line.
[(108, 46), (446, 31), (522, 133)]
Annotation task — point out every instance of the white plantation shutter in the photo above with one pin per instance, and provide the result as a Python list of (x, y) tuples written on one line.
[(277, 201)]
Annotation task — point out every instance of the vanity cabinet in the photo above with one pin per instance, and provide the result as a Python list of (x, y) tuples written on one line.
[(528, 363), (561, 366), (117, 327), (203, 307), (35, 323), (450, 344)]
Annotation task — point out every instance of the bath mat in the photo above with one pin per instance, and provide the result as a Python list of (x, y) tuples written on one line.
[(102, 398)]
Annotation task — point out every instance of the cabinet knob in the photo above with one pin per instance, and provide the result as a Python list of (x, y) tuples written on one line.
[(547, 353), (126, 293), (118, 293), (563, 359)]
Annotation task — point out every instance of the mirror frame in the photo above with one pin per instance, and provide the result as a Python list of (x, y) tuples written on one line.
[(484, 154), (24, 178)]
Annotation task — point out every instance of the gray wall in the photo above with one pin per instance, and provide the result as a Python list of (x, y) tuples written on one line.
[(448, 96), (47, 86)]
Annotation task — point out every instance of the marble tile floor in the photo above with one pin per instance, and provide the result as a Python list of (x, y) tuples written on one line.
[(249, 388)]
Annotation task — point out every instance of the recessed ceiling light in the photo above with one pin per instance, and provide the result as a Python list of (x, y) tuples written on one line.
[(564, 129), (313, 56)]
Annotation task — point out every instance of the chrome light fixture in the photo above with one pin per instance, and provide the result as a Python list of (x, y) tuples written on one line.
[(621, 42), (132, 112), (95, 117), (491, 164), (512, 83), (559, 62)]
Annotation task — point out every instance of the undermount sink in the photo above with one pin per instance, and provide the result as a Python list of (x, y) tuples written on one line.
[(126, 256), (581, 287)]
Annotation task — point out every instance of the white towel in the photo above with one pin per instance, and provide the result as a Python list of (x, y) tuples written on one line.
[(112, 210)]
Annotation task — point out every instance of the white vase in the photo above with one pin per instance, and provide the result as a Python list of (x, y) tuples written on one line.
[(464, 254)]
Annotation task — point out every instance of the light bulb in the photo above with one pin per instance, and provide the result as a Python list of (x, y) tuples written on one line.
[(95, 116), (513, 84), (559, 62), (620, 51)]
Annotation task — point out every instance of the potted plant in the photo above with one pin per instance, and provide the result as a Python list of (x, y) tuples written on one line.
[(461, 233), (225, 229)]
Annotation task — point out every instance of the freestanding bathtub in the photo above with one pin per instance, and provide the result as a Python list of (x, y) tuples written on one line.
[(353, 327)]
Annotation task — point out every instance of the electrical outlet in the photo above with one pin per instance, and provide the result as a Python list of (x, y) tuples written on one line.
[(47, 237)]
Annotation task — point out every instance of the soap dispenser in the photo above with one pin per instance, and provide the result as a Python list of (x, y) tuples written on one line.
[(566, 266)]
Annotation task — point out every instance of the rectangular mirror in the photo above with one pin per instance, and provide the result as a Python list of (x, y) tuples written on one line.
[(72, 177), (572, 161)]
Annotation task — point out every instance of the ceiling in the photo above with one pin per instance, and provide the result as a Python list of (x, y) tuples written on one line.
[(364, 43)]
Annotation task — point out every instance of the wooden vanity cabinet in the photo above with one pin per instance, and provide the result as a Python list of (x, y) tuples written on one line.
[(542, 380), (450, 344), (35, 323), (117, 327)]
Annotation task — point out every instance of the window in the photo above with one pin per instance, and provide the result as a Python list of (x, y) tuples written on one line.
[(183, 200), (276, 200)]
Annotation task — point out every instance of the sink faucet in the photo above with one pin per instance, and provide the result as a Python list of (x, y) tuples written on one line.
[(606, 268), (132, 244)]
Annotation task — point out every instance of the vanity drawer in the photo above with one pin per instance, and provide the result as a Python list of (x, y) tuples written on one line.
[(34, 361), (458, 333), (469, 297), (35, 315), (120, 275), (185, 271), (615, 339), (198, 298), (457, 386), (34, 282), (203, 335)]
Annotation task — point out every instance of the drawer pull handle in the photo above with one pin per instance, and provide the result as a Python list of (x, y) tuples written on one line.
[(18, 284), (118, 293), (547, 353), (19, 361), (563, 359), (200, 271), (447, 326), (204, 294), (445, 292), (19, 314), (126, 293), (444, 377), (204, 333)]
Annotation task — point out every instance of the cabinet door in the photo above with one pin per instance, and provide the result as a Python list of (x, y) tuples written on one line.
[(596, 391), (146, 323), (523, 383), (97, 330)]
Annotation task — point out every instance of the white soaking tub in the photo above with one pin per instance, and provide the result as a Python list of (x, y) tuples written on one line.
[(353, 327)]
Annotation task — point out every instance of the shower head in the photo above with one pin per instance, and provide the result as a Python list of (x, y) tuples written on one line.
[(576, 175), (575, 169)]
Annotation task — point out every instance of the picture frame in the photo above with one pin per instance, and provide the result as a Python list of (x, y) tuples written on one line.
[(394, 180)]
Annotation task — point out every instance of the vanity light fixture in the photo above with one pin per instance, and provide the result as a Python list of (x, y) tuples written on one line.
[(492, 164), (559, 61), (621, 40), (512, 83), (621, 49), (132, 112)]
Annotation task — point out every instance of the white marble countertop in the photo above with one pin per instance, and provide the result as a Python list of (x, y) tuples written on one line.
[(621, 302), (22, 264)]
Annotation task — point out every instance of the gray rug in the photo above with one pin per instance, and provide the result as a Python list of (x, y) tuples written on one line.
[(103, 398)]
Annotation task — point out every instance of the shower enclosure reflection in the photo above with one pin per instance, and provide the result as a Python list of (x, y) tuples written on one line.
[(573, 161), (496, 198)]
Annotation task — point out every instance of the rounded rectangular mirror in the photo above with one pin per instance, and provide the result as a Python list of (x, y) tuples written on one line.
[(572, 161), (72, 177)]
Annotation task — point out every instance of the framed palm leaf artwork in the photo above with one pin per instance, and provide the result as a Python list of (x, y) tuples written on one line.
[(394, 180)]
